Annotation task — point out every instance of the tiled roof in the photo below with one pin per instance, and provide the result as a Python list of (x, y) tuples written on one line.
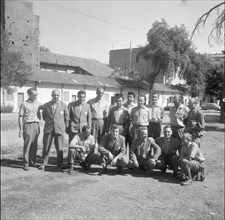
[(74, 79), (143, 85), (92, 66)]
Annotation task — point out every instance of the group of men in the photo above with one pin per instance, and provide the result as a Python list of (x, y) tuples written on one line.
[(125, 135)]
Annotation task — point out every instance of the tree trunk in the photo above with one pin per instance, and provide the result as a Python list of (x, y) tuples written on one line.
[(150, 92)]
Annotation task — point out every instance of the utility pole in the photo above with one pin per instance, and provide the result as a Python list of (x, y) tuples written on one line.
[(130, 56)]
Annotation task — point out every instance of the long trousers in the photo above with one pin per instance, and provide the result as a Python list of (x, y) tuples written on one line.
[(171, 161), (98, 129), (58, 141), (31, 132), (190, 166), (154, 130)]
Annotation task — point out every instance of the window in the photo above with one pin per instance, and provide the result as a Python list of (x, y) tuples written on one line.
[(66, 96), (74, 98), (106, 96)]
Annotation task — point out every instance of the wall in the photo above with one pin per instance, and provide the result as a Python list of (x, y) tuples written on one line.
[(23, 27)]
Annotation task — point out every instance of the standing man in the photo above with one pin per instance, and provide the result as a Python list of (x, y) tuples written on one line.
[(29, 116), (157, 114), (119, 115), (82, 147), (169, 148), (56, 117), (130, 101), (113, 150), (140, 116), (99, 111), (178, 113), (191, 161), (79, 114), (195, 122), (141, 151)]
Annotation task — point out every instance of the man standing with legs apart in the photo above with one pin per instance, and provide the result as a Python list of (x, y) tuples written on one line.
[(29, 116), (80, 115), (157, 114), (178, 114), (195, 122), (191, 161), (169, 148), (113, 150), (99, 110), (141, 152), (56, 116)]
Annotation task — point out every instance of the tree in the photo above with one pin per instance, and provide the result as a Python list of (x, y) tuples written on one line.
[(166, 51), (14, 71), (45, 49)]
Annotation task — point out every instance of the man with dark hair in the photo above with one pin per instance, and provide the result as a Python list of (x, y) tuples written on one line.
[(130, 101), (195, 121), (119, 115), (99, 111), (113, 150), (140, 116), (141, 151), (157, 114), (82, 147), (169, 148), (29, 116), (80, 115), (56, 117), (178, 114)]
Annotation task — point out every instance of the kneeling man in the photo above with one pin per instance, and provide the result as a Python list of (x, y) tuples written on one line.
[(169, 147), (82, 147), (141, 151), (113, 150)]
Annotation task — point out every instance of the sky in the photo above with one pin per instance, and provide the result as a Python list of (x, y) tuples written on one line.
[(90, 29)]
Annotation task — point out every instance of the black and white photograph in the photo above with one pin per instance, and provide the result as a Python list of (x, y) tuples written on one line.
[(112, 109)]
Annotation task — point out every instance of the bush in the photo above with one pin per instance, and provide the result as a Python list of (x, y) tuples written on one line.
[(7, 109)]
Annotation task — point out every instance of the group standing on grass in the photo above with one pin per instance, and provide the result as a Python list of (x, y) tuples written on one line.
[(123, 136)]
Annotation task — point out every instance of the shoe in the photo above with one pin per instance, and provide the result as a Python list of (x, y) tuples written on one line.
[(84, 166), (175, 175), (71, 171), (186, 182), (33, 165), (59, 168), (103, 171), (42, 167), (26, 167)]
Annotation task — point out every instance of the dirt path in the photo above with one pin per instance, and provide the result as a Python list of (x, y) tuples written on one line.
[(129, 195)]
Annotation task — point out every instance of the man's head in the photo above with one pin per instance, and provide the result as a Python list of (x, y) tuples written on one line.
[(119, 100), (141, 100), (192, 103), (155, 97), (86, 130), (167, 131), (187, 138), (100, 92), (130, 97), (177, 100), (81, 96), (32, 94), (143, 133), (114, 131), (55, 95)]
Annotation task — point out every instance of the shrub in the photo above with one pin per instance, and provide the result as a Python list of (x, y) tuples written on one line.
[(7, 109)]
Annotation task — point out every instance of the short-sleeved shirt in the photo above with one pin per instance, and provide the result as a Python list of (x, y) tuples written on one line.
[(193, 151), (81, 141), (99, 108), (157, 113), (30, 111), (140, 116), (177, 115)]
